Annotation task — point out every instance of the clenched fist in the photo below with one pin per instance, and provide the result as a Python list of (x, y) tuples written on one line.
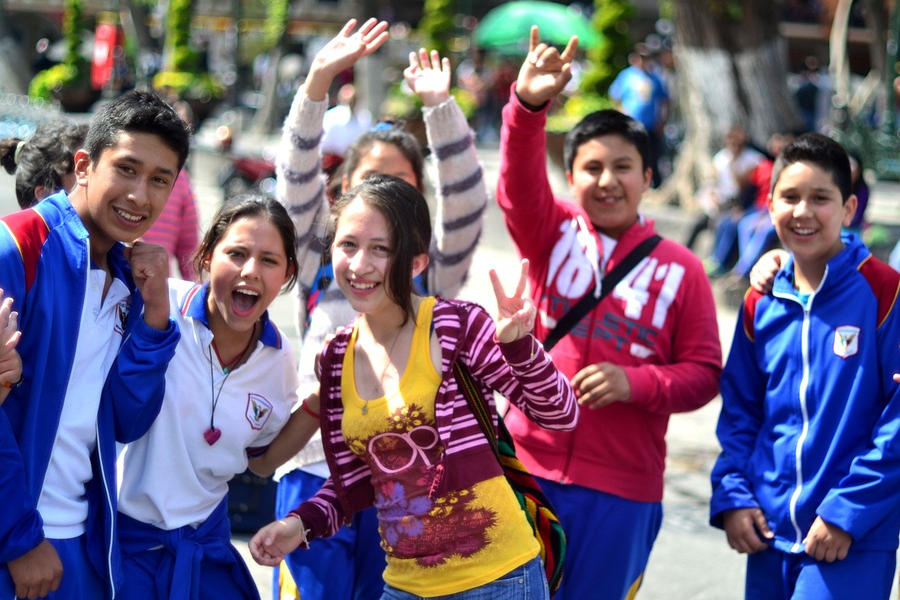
[(150, 269)]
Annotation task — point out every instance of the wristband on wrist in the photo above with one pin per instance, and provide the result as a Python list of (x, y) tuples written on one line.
[(529, 106), (305, 408), (304, 532)]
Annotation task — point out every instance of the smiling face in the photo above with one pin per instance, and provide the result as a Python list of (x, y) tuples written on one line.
[(247, 269), (384, 159), (808, 212), (362, 255), (608, 180), (120, 195)]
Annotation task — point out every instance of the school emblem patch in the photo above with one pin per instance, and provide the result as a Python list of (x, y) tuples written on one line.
[(846, 341), (122, 316), (258, 410)]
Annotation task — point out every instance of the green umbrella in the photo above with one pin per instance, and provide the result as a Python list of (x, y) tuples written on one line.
[(506, 27)]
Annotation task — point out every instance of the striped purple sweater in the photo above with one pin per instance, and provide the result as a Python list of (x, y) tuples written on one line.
[(519, 370)]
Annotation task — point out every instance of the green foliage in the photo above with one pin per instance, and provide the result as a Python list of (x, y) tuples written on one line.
[(179, 56), (436, 25), (56, 78), (403, 104), (400, 102), (190, 86), (576, 108), (466, 100), (276, 22), (73, 71), (611, 19), (71, 31), (604, 62), (181, 75)]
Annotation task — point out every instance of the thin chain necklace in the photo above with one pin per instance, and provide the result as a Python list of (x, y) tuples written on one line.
[(365, 408), (213, 434)]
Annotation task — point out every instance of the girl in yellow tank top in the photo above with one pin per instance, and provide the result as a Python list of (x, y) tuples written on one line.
[(399, 419)]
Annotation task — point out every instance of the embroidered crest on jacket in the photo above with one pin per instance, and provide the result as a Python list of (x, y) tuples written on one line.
[(846, 340), (258, 410)]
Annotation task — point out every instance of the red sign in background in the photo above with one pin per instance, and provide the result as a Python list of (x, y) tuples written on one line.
[(106, 38)]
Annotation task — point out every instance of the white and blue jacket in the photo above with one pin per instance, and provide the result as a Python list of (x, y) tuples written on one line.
[(44, 264), (810, 414)]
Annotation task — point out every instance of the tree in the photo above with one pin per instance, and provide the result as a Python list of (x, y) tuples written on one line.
[(731, 70), (611, 18), (277, 14), (436, 25), (135, 22), (68, 81)]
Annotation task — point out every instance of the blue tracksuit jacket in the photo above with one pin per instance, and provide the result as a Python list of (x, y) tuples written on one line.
[(44, 263), (810, 414)]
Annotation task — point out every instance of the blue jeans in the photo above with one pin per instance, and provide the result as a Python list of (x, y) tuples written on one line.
[(527, 582)]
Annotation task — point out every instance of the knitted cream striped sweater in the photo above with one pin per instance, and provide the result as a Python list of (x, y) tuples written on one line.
[(461, 200)]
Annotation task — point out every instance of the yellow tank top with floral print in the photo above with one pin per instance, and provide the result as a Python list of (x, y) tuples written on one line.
[(434, 545)]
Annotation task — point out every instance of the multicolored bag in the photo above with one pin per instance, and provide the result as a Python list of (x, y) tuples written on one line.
[(546, 526)]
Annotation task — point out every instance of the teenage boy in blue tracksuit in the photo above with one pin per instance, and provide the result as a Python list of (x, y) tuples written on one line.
[(91, 311), (808, 481)]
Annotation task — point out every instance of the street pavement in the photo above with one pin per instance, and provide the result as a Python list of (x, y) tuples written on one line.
[(691, 560)]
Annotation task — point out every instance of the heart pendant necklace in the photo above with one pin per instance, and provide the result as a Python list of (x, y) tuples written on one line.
[(213, 433)]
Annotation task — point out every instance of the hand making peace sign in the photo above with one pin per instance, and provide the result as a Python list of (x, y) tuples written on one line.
[(515, 314)]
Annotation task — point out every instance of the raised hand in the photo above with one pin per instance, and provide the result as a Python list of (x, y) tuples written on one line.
[(341, 53), (545, 71), (150, 270), (273, 542), (429, 80), (515, 313)]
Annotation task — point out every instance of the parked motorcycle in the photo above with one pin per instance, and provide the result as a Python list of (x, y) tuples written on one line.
[(244, 172)]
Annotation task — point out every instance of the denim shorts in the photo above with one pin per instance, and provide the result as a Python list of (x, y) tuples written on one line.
[(527, 582)]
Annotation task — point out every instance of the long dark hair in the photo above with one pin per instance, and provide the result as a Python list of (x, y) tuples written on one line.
[(409, 223)]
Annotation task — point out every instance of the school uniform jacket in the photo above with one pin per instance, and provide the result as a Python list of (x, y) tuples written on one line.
[(810, 421), (44, 264), (519, 370)]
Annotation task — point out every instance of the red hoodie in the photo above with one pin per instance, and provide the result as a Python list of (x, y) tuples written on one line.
[(659, 324)]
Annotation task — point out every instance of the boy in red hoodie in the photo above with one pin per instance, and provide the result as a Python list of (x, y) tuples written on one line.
[(650, 348)]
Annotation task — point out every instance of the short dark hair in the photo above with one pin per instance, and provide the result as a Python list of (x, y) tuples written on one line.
[(138, 111), (250, 204), (44, 159), (406, 212), (821, 151), (387, 133), (607, 122)]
